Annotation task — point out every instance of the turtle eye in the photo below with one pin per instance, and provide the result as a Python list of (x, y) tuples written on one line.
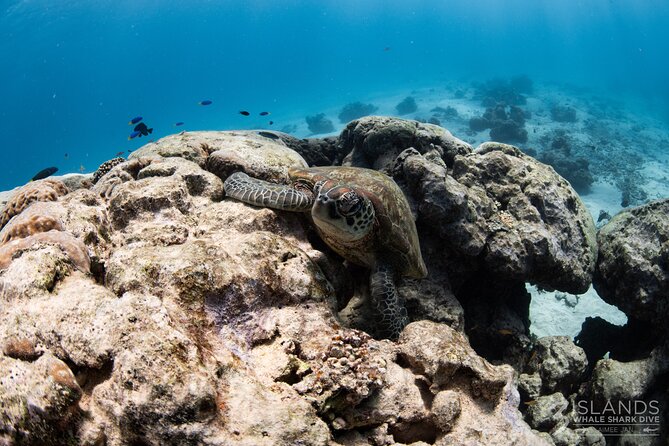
[(349, 204)]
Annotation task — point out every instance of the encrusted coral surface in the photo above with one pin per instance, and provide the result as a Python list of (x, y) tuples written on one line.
[(150, 310), (42, 190)]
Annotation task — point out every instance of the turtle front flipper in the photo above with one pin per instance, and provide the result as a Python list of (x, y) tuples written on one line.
[(389, 304), (265, 194)]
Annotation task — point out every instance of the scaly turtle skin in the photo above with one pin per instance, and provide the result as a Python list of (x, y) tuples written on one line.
[(361, 214)]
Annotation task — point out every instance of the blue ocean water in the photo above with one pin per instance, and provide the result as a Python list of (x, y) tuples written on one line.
[(74, 72)]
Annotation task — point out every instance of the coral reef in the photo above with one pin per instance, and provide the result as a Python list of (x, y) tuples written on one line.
[(41, 190), (27, 224), (633, 264), (496, 91), (106, 167), (316, 151), (376, 141), (355, 110), (574, 169), (506, 124), (74, 249), (319, 124), (448, 113), (150, 310), (249, 152), (406, 106), (529, 224)]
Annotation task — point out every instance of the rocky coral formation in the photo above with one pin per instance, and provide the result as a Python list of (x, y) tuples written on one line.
[(406, 106), (448, 113), (509, 213), (574, 169), (633, 266), (319, 124), (508, 91), (355, 110), (375, 141), (315, 151), (106, 167), (41, 190), (255, 154), (506, 124), (201, 320)]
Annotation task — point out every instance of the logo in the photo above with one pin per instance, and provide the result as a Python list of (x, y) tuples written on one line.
[(620, 417)]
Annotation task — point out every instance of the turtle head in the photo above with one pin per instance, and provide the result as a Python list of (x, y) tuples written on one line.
[(342, 212)]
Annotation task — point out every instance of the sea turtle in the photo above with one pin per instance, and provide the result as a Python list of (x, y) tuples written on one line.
[(361, 214)]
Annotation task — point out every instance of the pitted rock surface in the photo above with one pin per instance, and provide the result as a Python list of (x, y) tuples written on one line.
[(507, 212), (203, 321), (250, 152), (375, 141), (633, 265)]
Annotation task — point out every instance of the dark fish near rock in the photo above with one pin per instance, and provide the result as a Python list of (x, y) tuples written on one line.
[(120, 153), (134, 135), (143, 129), (44, 173), (271, 122), (269, 135), (177, 124), (205, 102), (264, 113), (244, 112), (135, 120)]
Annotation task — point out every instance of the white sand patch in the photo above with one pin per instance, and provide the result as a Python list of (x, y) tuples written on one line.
[(551, 316), (603, 196)]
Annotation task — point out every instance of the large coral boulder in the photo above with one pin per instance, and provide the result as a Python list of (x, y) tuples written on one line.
[(259, 153), (375, 141), (633, 266), (506, 212)]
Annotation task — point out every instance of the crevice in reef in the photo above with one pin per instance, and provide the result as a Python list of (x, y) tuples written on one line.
[(425, 393), (98, 271), (89, 378), (409, 433)]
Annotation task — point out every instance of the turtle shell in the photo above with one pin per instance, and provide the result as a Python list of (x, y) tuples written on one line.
[(396, 238)]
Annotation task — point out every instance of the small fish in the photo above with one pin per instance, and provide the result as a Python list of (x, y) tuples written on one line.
[(244, 112), (134, 135), (264, 113), (505, 332), (66, 156), (120, 153), (82, 169), (205, 102), (44, 173), (269, 135), (387, 48), (177, 124), (135, 120), (271, 122), (143, 129), (530, 402)]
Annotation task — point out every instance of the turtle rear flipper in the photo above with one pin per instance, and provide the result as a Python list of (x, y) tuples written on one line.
[(265, 194), (391, 312)]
